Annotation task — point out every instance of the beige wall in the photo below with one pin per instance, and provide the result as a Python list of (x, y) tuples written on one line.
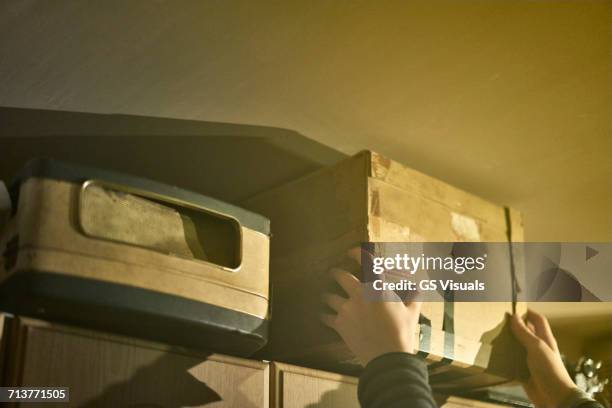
[(508, 99)]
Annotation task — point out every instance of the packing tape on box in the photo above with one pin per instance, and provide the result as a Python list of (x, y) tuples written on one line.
[(424, 336), (515, 289), (448, 326)]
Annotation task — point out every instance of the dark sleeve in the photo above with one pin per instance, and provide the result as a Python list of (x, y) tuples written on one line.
[(395, 380), (589, 404), (579, 399)]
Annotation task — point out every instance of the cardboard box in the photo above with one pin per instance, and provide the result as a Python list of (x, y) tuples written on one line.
[(369, 198), (110, 251)]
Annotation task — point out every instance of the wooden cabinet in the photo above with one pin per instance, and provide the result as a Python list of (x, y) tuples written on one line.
[(298, 387), (111, 371), (104, 370)]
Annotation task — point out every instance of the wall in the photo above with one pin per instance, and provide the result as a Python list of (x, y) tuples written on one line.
[(507, 99)]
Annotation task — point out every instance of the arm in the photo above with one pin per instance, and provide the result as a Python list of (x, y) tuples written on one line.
[(549, 384), (382, 337), (395, 380)]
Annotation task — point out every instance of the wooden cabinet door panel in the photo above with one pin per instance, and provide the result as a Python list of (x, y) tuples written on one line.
[(298, 387), (111, 371)]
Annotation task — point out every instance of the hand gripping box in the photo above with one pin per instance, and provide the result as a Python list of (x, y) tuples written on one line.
[(119, 253), (369, 198)]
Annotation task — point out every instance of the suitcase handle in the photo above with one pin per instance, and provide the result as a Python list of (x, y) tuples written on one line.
[(177, 205)]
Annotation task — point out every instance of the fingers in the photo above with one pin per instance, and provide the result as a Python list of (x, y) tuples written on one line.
[(350, 284), (335, 302), (347, 281), (355, 254), (542, 328), (533, 332), (522, 332), (530, 326), (329, 320)]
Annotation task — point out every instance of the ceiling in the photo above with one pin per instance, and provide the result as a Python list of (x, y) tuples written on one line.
[(508, 100)]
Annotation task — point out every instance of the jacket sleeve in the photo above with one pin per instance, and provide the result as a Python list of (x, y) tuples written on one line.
[(395, 380), (579, 399), (589, 404)]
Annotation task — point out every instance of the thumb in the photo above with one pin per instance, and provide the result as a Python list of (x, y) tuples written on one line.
[(522, 332)]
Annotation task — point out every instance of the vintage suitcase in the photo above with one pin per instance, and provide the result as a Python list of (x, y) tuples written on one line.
[(124, 254), (369, 198)]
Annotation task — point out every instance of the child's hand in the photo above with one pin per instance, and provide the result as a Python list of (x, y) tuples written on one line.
[(549, 384), (371, 328)]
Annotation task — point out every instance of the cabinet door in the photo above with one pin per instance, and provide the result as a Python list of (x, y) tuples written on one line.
[(111, 371), (298, 387)]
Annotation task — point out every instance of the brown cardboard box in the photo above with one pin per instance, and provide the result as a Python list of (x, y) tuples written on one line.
[(369, 198)]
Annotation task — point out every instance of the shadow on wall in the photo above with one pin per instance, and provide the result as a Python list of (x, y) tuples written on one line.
[(226, 161)]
